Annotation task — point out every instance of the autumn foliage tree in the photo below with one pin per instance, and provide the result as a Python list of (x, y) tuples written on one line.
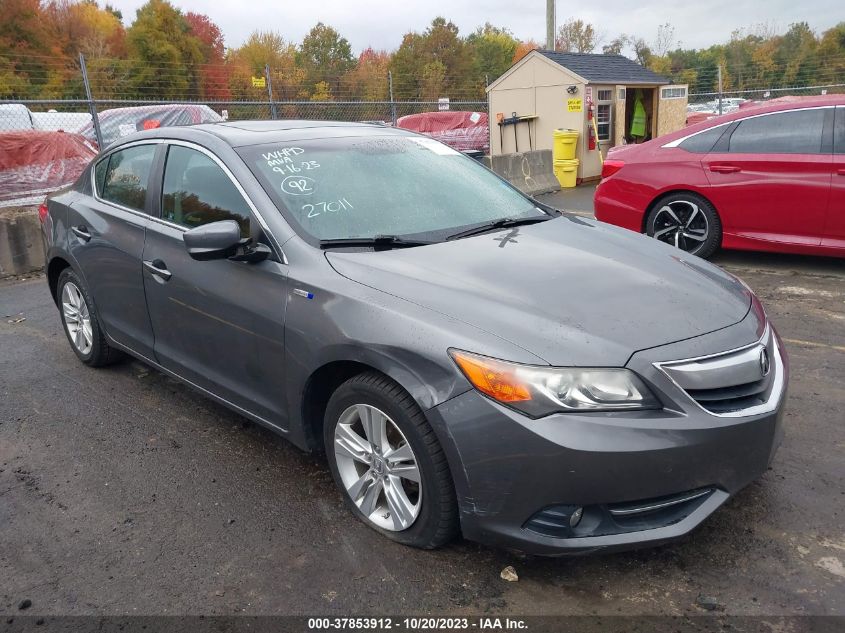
[(213, 73)]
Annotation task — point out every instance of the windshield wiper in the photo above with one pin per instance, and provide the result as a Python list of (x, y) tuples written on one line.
[(501, 223), (379, 242)]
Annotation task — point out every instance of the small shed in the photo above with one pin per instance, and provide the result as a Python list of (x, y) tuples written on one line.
[(548, 90)]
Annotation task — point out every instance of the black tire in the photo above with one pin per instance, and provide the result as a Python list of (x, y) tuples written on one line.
[(437, 520), (683, 205), (101, 353)]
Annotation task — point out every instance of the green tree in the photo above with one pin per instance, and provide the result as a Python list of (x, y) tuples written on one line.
[(441, 43), (163, 53), (493, 49), (265, 47), (325, 56)]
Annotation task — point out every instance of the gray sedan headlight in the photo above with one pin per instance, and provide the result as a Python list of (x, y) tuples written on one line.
[(539, 391)]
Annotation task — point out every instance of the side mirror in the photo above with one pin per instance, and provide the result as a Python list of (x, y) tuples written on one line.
[(216, 240)]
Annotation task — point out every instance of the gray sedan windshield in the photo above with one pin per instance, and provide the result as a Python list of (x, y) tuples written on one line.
[(361, 187)]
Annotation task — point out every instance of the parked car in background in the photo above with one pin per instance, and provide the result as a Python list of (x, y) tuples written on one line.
[(467, 359), (15, 116), (34, 162), (53, 120), (770, 177), (463, 131), (118, 122)]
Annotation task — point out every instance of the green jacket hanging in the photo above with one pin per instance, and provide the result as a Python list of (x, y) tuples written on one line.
[(638, 121)]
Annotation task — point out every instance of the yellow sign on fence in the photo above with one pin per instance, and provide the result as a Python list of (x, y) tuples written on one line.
[(574, 105), (259, 82)]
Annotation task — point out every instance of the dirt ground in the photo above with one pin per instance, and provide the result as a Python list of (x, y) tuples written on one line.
[(123, 492)]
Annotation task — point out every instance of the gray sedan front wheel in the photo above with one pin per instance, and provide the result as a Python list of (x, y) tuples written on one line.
[(388, 463)]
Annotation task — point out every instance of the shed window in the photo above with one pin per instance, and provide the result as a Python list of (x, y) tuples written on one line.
[(603, 121), (675, 92), (605, 95)]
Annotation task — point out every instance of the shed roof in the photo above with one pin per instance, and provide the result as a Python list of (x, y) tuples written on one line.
[(605, 69)]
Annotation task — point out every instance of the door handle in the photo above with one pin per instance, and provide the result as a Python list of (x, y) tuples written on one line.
[(81, 232), (724, 169), (159, 269)]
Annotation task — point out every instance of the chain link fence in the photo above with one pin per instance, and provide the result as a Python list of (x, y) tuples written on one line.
[(714, 103)]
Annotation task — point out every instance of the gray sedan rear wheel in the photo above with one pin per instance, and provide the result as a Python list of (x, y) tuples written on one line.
[(387, 462), (81, 322)]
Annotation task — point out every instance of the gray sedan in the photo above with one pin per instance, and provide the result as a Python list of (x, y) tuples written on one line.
[(467, 359)]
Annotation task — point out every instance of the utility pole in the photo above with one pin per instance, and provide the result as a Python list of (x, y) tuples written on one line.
[(550, 25), (273, 114), (720, 88), (392, 101)]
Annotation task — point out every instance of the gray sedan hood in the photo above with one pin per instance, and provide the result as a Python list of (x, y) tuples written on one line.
[(571, 291)]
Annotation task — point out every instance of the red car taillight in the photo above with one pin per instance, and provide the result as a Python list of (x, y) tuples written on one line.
[(611, 166), (42, 212)]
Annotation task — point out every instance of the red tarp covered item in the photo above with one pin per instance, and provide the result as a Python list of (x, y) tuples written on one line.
[(459, 130), (35, 162)]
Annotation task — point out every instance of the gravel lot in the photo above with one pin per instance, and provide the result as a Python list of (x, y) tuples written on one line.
[(122, 492)]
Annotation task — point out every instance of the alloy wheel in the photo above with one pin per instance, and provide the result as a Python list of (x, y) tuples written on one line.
[(682, 224), (77, 318), (378, 467)]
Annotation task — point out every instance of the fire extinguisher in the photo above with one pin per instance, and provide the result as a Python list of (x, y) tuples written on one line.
[(591, 135)]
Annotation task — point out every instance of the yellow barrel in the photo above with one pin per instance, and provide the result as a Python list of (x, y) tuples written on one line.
[(564, 144), (566, 172)]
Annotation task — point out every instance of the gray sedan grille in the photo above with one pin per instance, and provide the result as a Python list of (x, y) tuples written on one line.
[(741, 382)]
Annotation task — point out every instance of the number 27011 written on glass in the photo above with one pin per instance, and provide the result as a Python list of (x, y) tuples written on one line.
[(319, 208)]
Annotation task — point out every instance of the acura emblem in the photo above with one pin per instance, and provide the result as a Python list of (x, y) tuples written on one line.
[(765, 364)]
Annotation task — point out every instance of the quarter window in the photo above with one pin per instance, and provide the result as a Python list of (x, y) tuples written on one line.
[(197, 191), (703, 142), (124, 179), (795, 132)]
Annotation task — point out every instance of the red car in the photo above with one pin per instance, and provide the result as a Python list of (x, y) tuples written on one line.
[(768, 178)]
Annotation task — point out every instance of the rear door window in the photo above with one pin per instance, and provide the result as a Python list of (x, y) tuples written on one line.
[(839, 131), (197, 191), (792, 132), (125, 178)]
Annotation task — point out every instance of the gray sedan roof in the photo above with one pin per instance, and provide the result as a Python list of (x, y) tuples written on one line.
[(242, 133)]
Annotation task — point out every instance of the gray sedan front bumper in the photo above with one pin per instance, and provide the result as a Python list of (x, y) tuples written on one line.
[(642, 478)]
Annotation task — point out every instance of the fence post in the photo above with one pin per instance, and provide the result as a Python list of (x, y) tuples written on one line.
[(392, 102), (720, 88), (270, 91), (92, 107)]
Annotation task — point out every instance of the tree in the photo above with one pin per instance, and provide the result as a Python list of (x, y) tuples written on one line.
[(214, 75), (415, 72), (615, 46), (523, 48), (163, 52), (493, 49), (576, 36), (325, 56), (265, 47), (368, 80), (30, 50)]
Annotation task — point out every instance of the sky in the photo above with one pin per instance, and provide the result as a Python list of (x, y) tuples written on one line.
[(382, 23)]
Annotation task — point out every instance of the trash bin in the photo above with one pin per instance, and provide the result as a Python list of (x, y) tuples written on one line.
[(564, 144), (566, 172)]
